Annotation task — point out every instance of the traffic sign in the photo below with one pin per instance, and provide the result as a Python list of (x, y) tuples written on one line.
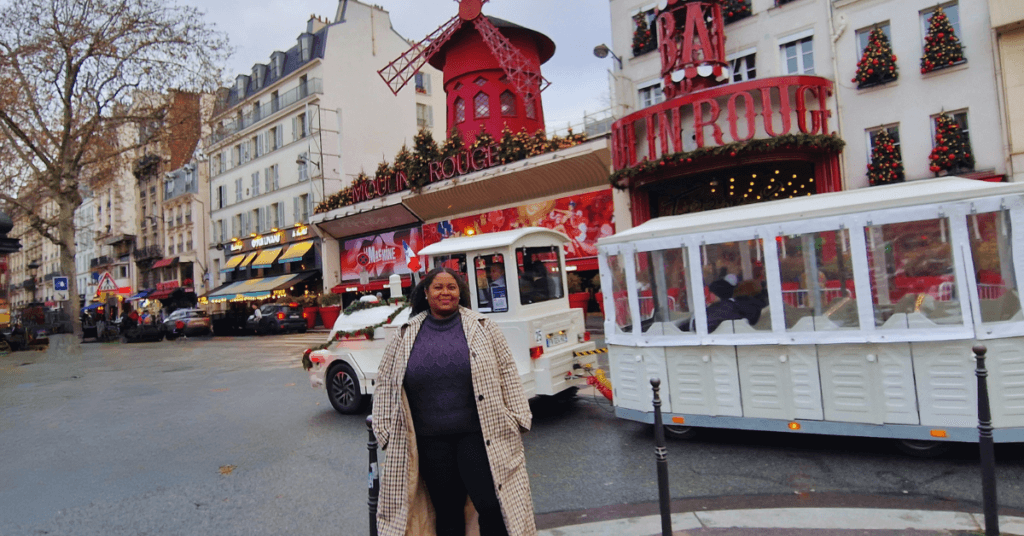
[(60, 288), (107, 283)]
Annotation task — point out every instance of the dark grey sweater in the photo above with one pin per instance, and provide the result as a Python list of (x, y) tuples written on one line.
[(438, 379)]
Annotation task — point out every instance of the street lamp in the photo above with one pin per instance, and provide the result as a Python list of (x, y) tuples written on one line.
[(602, 51), (34, 266)]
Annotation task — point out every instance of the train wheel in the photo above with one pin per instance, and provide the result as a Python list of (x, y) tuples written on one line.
[(922, 448)]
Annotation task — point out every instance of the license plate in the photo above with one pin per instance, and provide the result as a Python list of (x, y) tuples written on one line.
[(293, 316), (196, 323), (554, 339)]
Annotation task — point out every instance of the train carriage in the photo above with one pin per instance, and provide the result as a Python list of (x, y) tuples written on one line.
[(849, 313)]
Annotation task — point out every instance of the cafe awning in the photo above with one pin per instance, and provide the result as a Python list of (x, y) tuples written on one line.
[(248, 258), (232, 263), (295, 252), (258, 288), (165, 262), (266, 258), (140, 295)]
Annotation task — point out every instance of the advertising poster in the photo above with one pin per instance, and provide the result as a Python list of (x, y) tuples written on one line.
[(583, 218), (378, 256)]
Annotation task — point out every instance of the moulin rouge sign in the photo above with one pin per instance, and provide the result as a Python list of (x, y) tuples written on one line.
[(692, 48), (462, 163)]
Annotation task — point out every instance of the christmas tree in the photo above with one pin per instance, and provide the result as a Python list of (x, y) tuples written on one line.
[(512, 147), (885, 167), (878, 64), (454, 144), (734, 10), (952, 152), (643, 36), (941, 45)]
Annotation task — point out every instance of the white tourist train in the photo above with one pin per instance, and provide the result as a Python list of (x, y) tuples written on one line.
[(850, 313)]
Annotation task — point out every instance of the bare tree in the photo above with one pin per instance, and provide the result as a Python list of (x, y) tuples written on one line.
[(73, 75)]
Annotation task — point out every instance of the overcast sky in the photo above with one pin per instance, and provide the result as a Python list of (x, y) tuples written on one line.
[(579, 81)]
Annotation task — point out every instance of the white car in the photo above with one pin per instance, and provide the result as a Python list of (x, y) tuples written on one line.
[(527, 299)]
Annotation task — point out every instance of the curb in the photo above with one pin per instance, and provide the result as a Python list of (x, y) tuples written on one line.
[(795, 518)]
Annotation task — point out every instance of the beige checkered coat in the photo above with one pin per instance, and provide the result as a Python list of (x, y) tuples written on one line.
[(404, 507)]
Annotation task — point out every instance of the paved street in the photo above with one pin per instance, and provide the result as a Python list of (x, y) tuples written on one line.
[(225, 436)]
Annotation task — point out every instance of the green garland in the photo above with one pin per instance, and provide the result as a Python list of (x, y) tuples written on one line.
[(829, 142)]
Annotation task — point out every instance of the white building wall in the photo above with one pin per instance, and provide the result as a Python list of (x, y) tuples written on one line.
[(85, 233), (912, 100)]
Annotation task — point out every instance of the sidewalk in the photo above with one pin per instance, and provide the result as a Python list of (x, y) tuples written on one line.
[(797, 522)]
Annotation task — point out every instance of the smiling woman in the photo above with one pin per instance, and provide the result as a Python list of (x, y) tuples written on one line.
[(449, 402)]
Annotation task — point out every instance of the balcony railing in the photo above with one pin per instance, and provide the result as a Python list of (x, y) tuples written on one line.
[(311, 87), (99, 261), (29, 283), (593, 124), (147, 252)]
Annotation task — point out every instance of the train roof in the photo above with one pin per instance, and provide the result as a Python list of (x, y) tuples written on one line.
[(923, 192), (489, 241)]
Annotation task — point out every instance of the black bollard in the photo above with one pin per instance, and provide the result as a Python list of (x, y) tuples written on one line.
[(373, 480), (986, 446), (661, 454)]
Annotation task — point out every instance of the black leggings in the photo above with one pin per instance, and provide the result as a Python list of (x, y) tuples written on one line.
[(452, 466)]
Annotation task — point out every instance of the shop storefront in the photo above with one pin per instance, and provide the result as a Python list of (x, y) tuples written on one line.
[(274, 265)]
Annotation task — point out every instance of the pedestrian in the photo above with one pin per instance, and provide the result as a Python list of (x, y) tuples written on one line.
[(448, 411)]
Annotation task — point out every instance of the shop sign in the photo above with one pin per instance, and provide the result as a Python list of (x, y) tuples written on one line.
[(584, 218), (763, 108), (300, 231), (380, 255), (266, 240), (467, 161), (167, 285), (236, 246)]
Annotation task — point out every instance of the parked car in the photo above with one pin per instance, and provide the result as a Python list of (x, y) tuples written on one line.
[(277, 318), (187, 322)]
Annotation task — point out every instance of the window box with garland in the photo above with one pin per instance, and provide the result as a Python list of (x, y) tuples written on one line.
[(877, 65), (942, 47), (734, 10), (645, 38)]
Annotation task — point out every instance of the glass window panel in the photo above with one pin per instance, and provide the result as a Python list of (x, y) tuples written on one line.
[(734, 284), (992, 253), (620, 294), (491, 288), (911, 271), (540, 274), (817, 281), (455, 262), (662, 281)]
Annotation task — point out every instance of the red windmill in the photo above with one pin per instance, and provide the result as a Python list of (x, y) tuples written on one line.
[(491, 75)]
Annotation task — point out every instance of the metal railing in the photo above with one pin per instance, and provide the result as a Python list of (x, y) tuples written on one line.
[(311, 87), (147, 252), (592, 124)]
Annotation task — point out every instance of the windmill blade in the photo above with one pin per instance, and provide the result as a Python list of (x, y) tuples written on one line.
[(398, 73), (518, 69)]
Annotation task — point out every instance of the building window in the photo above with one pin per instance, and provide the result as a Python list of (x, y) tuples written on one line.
[(952, 10), (238, 190), (275, 138), (650, 95), (424, 115), (257, 145), (531, 109), (423, 83), (303, 164), (508, 104), (275, 101), (460, 110), (258, 223), (798, 56), (299, 126), (865, 33), (256, 183), (744, 65), (481, 106), (645, 36), (302, 208), (892, 130), (222, 196)]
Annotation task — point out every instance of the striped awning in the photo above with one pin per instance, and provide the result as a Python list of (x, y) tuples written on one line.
[(266, 258), (248, 258), (295, 252), (232, 263)]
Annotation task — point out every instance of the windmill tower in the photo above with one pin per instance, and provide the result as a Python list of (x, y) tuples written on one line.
[(491, 71)]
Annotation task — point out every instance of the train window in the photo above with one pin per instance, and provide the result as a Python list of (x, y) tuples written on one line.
[(661, 278), (455, 262), (491, 288), (911, 271), (993, 266), (620, 295), (734, 283), (817, 281), (540, 274)]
